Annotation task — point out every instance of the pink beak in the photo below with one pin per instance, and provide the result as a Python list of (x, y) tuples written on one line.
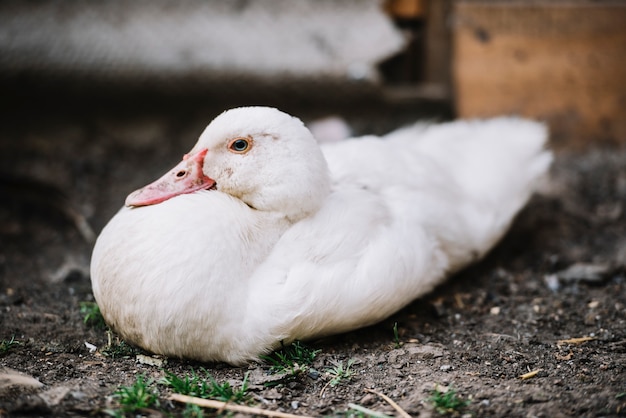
[(186, 177)]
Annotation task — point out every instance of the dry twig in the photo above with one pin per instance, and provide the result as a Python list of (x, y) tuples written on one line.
[(225, 406), (395, 406), (530, 374), (578, 340)]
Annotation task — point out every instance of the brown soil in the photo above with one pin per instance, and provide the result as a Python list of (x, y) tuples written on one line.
[(558, 274)]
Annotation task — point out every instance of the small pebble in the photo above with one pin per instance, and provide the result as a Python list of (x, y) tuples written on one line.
[(552, 281), (313, 374), (78, 395), (445, 368), (149, 360), (591, 273)]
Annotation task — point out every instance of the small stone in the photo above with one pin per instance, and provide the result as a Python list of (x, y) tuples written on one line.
[(552, 281), (424, 352), (495, 310), (446, 368), (593, 304), (592, 273), (12, 381), (79, 395), (150, 361), (295, 404), (262, 379)]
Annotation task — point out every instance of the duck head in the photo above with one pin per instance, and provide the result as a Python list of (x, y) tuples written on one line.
[(262, 156)]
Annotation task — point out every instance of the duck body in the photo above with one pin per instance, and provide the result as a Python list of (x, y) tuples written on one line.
[(293, 241)]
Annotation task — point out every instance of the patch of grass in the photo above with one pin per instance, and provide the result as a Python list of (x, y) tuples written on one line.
[(353, 413), (91, 315), (192, 385), (396, 336), (294, 358), (6, 346), (447, 402), (118, 349), (340, 373), (139, 395), (206, 387), (224, 392)]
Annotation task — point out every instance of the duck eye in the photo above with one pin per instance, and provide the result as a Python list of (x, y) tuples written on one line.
[(239, 145)]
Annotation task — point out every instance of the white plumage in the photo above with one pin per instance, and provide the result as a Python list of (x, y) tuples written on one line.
[(295, 241)]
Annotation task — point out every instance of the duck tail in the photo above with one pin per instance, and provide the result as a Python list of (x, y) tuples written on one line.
[(497, 163), (501, 161), (503, 166)]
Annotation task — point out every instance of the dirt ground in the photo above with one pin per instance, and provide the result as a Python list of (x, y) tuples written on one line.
[(558, 275)]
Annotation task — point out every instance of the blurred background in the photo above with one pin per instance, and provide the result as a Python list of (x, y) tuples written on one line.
[(561, 61), (98, 98)]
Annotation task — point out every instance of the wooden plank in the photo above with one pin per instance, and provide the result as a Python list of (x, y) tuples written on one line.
[(561, 62), (438, 43)]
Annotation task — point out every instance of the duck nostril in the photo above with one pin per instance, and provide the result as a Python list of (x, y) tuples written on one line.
[(181, 173)]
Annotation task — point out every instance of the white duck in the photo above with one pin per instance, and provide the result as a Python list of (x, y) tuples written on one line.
[(259, 236)]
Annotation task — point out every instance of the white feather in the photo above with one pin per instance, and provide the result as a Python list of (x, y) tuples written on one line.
[(298, 243)]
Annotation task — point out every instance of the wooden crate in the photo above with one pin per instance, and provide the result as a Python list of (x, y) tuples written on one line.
[(563, 62)]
